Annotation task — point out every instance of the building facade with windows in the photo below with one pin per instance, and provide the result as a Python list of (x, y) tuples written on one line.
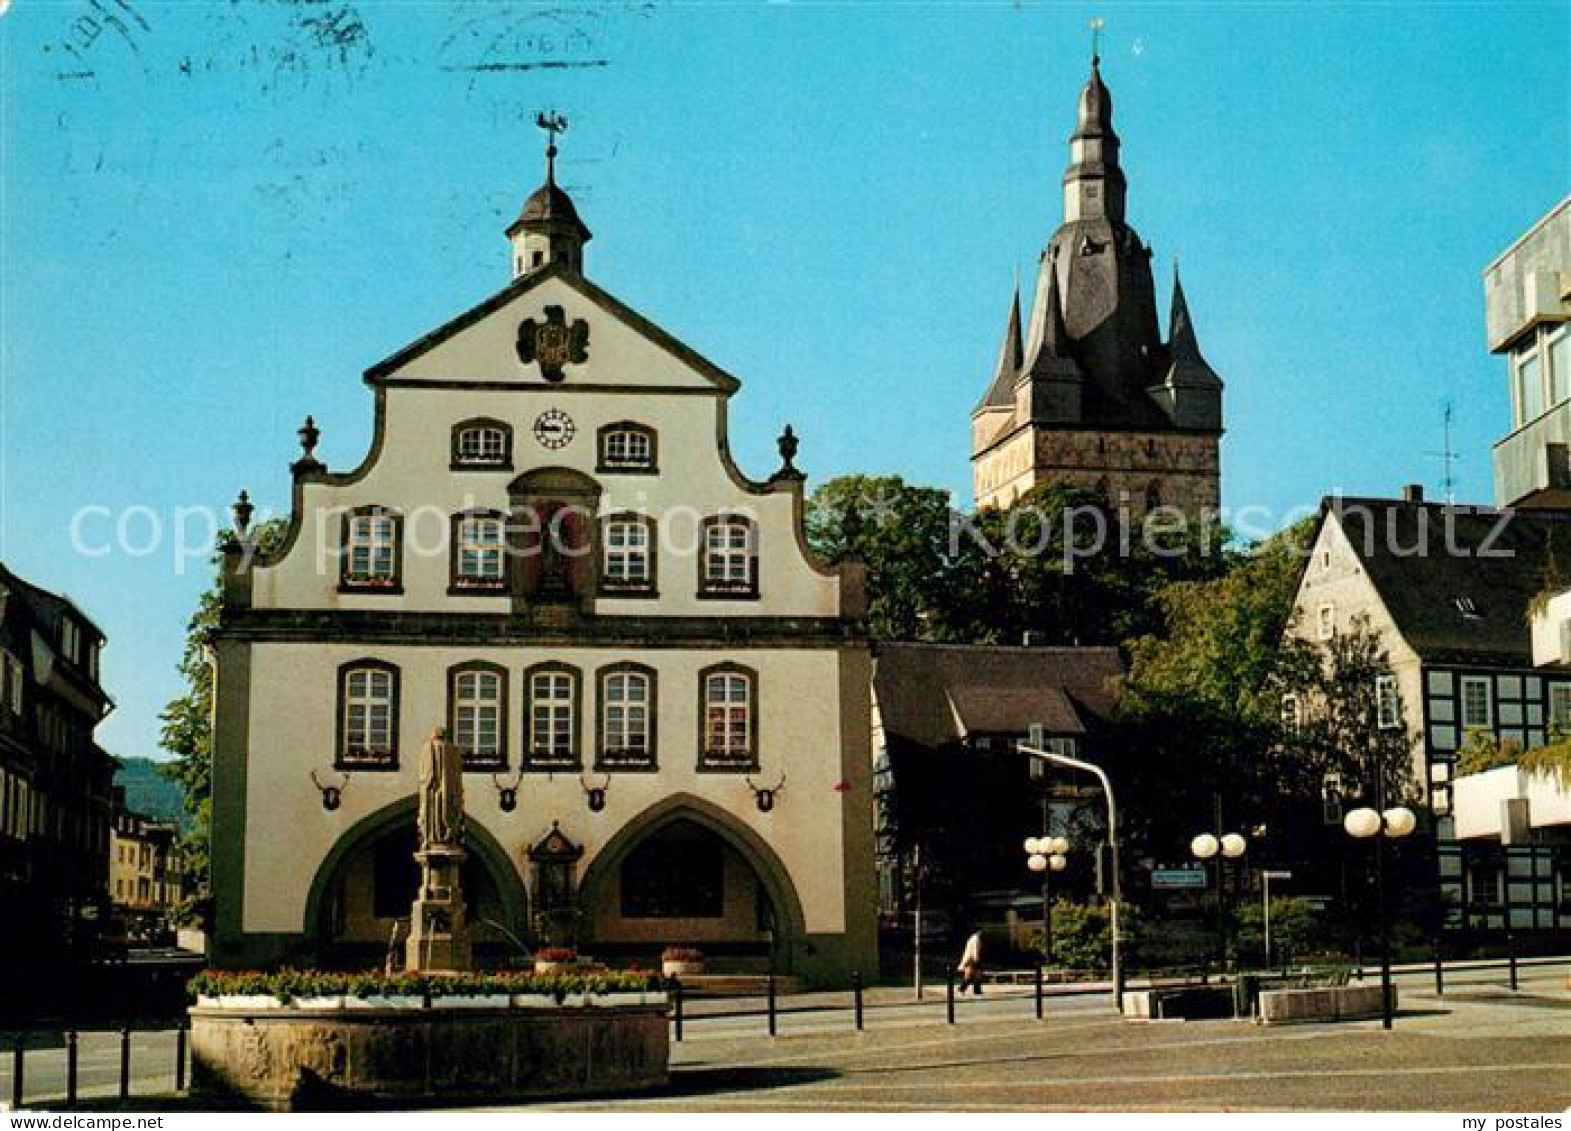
[(1448, 591), (1091, 395), (1527, 307), (55, 780), (660, 694), (146, 871)]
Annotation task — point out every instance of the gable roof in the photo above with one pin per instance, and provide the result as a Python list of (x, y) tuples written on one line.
[(934, 694), (526, 283), (1458, 581)]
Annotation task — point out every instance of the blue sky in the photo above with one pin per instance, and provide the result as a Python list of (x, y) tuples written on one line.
[(214, 216)]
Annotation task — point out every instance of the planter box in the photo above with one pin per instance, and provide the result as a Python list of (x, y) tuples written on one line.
[(1335, 1003), (673, 969), (471, 1001), (334, 1002), (552, 966), (384, 1001), (535, 1001), (242, 1001)]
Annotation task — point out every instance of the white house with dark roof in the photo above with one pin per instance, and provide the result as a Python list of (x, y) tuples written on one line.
[(1448, 590)]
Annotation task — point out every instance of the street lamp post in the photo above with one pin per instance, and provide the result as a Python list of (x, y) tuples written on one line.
[(1266, 877), (1044, 856), (1229, 846), (1112, 844), (1378, 824)]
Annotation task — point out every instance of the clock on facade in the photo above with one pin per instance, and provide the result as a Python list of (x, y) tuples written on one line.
[(554, 429)]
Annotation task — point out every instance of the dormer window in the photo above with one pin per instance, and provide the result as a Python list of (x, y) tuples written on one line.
[(485, 445), (627, 447), (1467, 607)]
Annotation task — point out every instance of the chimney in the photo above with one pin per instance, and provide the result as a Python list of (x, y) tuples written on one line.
[(1413, 493)]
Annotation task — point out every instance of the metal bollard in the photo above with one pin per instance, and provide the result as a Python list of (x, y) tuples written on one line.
[(676, 1005), (1511, 956), (180, 1056), (125, 1063), (856, 997), (70, 1068), (772, 1028), (1039, 989), (949, 996), (1440, 975), (18, 1070)]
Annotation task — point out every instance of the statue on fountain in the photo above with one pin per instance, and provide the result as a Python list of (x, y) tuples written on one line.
[(438, 930)]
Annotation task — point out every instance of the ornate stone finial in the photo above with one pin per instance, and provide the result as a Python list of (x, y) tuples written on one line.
[(309, 435), (851, 527), (788, 444), (1096, 25), (242, 510)]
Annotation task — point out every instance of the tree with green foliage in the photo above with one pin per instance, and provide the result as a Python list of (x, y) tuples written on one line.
[(187, 735)]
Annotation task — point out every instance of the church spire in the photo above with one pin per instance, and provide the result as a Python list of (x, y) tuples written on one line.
[(1053, 378), (548, 229), (1011, 355), (1094, 184), (1189, 366)]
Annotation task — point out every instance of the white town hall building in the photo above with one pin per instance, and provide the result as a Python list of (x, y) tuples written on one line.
[(660, 695)]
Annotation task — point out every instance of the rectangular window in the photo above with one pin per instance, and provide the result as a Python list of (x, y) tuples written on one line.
[(1530, 386), (372, 550), (553, 698), (69, 638), (1326, 622), (480, 555), (370, 700), (728, 718), (627, 555), (482, 446), (1560, 708), (730, 556), (625, 705), (11, 677), (1292, 719), (1388, 707), (478, 717), (1557, 348), (1477, 710)]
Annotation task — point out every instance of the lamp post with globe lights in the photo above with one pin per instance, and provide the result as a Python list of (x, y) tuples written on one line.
[(1377, 825), (1229, 846), (1044, 856)]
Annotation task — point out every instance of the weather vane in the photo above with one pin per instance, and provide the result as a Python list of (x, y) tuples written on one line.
[(1097, 24), (552, 123)]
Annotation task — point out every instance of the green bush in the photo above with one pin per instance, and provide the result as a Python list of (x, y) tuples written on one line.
[(1295, 928), (1083, 934)]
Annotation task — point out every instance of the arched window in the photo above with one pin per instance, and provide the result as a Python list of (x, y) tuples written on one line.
[(551, 715), (478, 558), (367, 716), (627, 447), (626, 726), (628, 546), (728, 565), (728, 714), (372, 559), (477, 714), (482, 444)]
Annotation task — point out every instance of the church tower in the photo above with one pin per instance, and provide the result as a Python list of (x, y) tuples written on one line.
[(1093, 396)]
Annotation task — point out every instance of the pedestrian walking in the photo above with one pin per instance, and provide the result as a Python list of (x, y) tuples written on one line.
[(970, 967)]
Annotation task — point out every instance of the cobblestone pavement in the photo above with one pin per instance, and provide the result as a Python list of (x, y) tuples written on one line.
[(1480, 1048)]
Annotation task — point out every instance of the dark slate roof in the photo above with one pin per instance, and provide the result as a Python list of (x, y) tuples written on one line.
[(1425, 558), (1001, 393), (934, 694), (1189, 367), (549, 205)]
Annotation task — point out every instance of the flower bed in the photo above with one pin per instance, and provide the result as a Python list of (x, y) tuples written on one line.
[(326, 989)]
